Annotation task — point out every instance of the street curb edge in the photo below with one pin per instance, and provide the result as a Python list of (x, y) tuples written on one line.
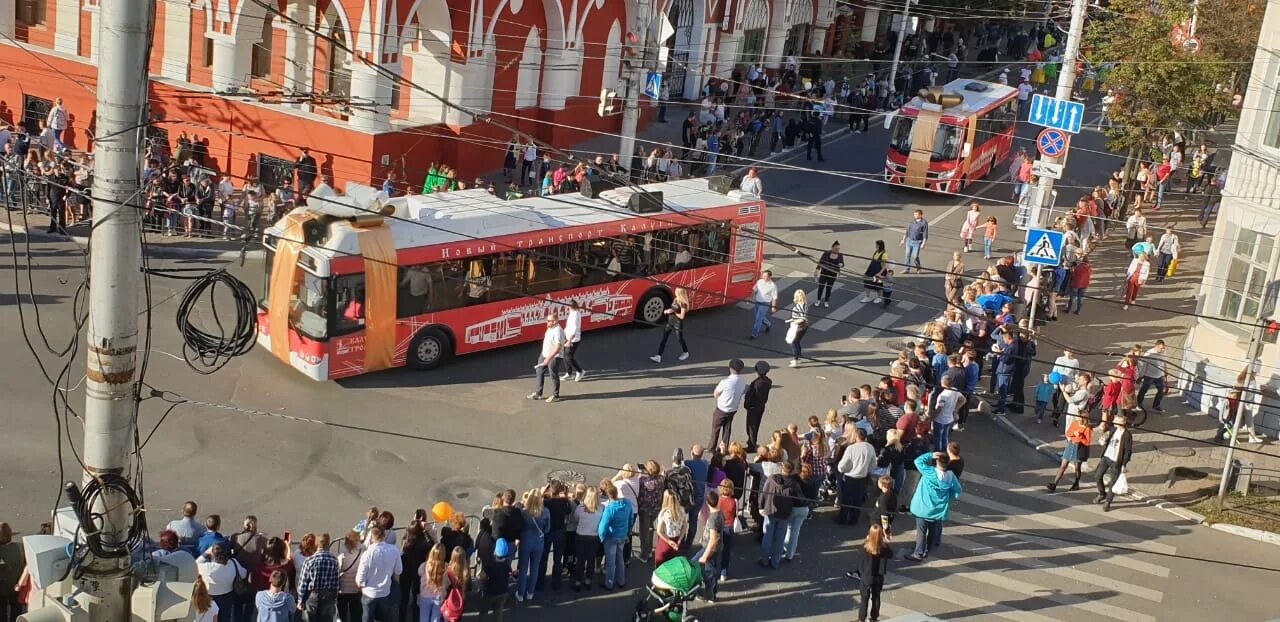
[(157, 250)]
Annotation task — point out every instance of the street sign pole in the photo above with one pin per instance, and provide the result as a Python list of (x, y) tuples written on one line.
[(635, 81), (1066, 83)]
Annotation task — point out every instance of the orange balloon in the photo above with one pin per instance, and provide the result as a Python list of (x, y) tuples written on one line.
[(441, 511)]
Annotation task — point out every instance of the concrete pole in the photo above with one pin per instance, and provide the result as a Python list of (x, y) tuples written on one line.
[(1251, 386), (635, 85), (1066, 83), (897, 51), (115, 268)]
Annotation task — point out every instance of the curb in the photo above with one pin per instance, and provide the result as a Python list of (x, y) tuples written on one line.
[(1247, 532), (1158, 502), (157, 250)]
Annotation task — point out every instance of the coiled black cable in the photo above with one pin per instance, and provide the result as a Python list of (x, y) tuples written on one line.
[(84, 503), (204, 351)]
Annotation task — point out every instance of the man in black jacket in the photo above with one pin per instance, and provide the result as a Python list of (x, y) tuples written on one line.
[(1119, 448), (756, 398), (814, 129), (508, 522)]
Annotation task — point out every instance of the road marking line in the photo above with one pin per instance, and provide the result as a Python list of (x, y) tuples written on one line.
[(1005, 582), (873, 328), (838, 314), (1067, 502), (1021, 559), (1013, 512), (973, 605), (862, 221), (1056, 546), (840, 193)]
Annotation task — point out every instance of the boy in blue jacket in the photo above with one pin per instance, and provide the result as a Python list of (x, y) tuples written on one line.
[(1044, 393), (931, 504)]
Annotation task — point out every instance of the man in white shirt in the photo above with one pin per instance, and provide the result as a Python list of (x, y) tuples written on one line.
[(1024, 96), (855, 467), (765, 295), (751, 183), (379, 570), (944, 415), (728, 396), (573, 336), (553, 343), (526, 167), (1154, 373)]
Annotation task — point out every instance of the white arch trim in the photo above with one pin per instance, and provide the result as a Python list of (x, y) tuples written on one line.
[(439, 29), (554, 15)]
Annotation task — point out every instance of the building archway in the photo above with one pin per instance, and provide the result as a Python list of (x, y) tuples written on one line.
[(755, 28), (429, 47), (529, 80), (688, 18), (800, 21)]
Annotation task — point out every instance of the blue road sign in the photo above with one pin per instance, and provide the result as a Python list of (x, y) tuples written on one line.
[(653, 85), (1043, 247), (1051, 143), (1060, 114)]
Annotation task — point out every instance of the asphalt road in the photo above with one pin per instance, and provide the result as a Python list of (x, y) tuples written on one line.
[(460, 433)]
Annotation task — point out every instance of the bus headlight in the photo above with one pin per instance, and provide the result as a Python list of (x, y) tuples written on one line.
[(947, 174)]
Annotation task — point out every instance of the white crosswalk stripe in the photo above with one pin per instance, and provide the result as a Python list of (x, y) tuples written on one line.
[(885, 320), (994, 565)]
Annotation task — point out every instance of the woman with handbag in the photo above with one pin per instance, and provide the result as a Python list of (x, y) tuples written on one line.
[(1079, 438), (349, 551), (799, 324)]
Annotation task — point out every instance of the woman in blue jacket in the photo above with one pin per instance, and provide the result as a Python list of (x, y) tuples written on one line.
[(614, 530), (931, 504)]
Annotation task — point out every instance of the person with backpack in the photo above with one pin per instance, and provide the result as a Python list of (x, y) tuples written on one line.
[(697, 470), (777, 501)]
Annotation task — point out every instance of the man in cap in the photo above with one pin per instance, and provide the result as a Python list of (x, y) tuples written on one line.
[(755, 399), (728, 396)]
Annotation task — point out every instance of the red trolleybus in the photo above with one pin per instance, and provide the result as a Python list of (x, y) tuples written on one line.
[(944, 139), (358, 283)]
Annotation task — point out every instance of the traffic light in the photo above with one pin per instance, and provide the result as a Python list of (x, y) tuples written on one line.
[(631, 51), (606, 106), (1270, 331)]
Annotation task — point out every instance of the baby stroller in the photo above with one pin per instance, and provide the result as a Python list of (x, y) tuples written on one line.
[(672, 587)]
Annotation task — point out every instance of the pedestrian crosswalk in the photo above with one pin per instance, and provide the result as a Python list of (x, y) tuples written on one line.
[(847, 304), (1014, 552)]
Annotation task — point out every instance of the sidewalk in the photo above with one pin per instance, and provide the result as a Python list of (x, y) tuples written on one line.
[(1171, 459)]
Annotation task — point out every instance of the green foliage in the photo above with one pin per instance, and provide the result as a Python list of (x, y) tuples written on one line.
[(1158, 86)]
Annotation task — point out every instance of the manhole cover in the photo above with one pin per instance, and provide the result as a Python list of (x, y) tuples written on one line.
[(1176, 451), (567, 476)]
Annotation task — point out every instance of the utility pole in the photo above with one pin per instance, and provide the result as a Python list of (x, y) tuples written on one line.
[(114, 269), (1066, 84), (897, 51), (635, 81), (1250, 388)]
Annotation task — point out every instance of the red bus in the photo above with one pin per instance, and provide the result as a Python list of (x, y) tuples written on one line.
[(945, 140), (439, 275)]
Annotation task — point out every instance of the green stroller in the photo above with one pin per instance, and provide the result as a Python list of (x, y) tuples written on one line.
[(673, 586)]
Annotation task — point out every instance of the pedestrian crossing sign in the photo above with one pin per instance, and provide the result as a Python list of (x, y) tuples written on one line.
[(1043, 247)]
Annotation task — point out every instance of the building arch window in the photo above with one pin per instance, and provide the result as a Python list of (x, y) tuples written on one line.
[(339, 69), (530, 78), (261, 57), (612, 57), (755, 25), (30, 12), (799, 28)]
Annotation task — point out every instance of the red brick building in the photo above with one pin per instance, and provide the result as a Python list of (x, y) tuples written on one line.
[(256, 86)]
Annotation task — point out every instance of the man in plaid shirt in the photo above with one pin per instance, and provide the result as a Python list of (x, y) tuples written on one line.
[(318, 585)]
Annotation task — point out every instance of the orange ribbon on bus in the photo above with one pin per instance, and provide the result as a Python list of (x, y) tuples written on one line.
[(923, 137), (284, 281), (378, 248)]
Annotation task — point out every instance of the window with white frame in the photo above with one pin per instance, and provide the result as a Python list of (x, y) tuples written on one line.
[(1271, 110), (1246, 278)]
